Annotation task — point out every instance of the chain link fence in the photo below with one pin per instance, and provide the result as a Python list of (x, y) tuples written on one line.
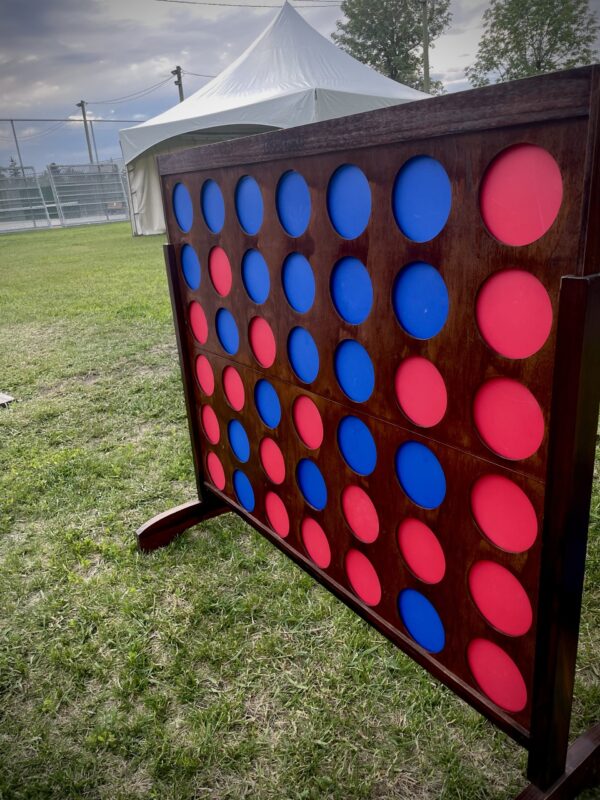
[(63, 195)]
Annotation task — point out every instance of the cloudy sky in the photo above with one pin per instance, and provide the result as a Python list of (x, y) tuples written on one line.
[(55, 52)]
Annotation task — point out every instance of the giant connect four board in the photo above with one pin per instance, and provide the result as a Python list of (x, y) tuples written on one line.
[(385, 326)]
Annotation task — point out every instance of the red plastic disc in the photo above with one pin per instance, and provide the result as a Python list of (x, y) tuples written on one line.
[(504, 513), (308, 422), (205, 375), (363, 577), (210, 423), (262, 341), (198, 322), (277, 514), (501, 598), (421, 550), (219, 269), (514, 313), (421, 391), (272, 460), (497, 675), (508, 418), (215, 470), (360, 514), (316, 543), (233, 388), (521, 194)]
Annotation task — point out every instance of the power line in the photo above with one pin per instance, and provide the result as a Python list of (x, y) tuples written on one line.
[(197, 74), (132, 96)]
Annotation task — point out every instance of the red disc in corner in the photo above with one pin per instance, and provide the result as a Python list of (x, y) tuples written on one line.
[(497, 675), (215, 470), (316, 543), (277, 514), (363, 577), (500, 598)]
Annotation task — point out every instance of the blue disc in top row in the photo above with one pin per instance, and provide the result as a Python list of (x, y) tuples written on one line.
[(349, 201), (354, 370), (182, 207), (303, 354), (190, 266), (213, 205), (249, 204), (312, 484), (255, 275), (357, 445), (267, 403), (422, 621), (422, 198), (298, 282), (420, 300), (227, 331), (293, 203), (351, 290), (243, 490), (420, 474), (238, 439)]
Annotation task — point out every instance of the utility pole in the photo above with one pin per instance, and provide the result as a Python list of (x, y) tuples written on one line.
[(425, 18), (94, 141), (12, 125), (81, 105), (178, 83)]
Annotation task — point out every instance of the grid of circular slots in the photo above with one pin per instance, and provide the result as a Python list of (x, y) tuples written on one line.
[(514, 315)]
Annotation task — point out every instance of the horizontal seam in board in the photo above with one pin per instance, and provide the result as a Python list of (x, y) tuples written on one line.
[(374, 417), (369, 614)]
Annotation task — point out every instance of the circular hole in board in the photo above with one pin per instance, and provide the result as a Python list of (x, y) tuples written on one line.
[(521, 194), (508, 418), (213, 205), (504, 513)]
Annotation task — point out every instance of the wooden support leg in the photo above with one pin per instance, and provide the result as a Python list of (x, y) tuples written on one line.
[(582, 771), (163, 528)]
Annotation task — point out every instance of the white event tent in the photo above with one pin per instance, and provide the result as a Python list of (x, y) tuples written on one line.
[(291, 75)]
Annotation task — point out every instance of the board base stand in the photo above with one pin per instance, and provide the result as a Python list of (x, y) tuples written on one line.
[(581, 772), (163, 528)]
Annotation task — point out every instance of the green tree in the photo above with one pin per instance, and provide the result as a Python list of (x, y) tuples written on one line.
[(388, 35), (529, 37)]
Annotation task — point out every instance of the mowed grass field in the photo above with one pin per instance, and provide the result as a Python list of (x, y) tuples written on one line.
[(213, 668)]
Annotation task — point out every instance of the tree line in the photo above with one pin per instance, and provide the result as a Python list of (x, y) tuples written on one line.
[(520, 38)]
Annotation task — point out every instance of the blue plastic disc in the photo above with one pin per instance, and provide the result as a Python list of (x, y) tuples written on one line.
[(227, 331), (255, 274), (243, 490), (351, 290), (354, 370), (213, 205), (267, 403), (422, 198), (182, 207), (190, 266), (420, 474), (303, 354), (298, 282), (349, 201), (238, 439), (293, 203), (421, 620), (249, 204), (357, 445), (420, 300), (311, 483)]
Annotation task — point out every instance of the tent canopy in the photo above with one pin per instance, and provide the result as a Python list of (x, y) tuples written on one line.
[(291, 75)]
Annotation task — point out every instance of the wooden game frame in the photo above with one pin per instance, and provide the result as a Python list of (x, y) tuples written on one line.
[(554, 769)]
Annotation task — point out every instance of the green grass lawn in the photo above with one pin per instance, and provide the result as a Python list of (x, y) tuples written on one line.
[(213, 668)]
